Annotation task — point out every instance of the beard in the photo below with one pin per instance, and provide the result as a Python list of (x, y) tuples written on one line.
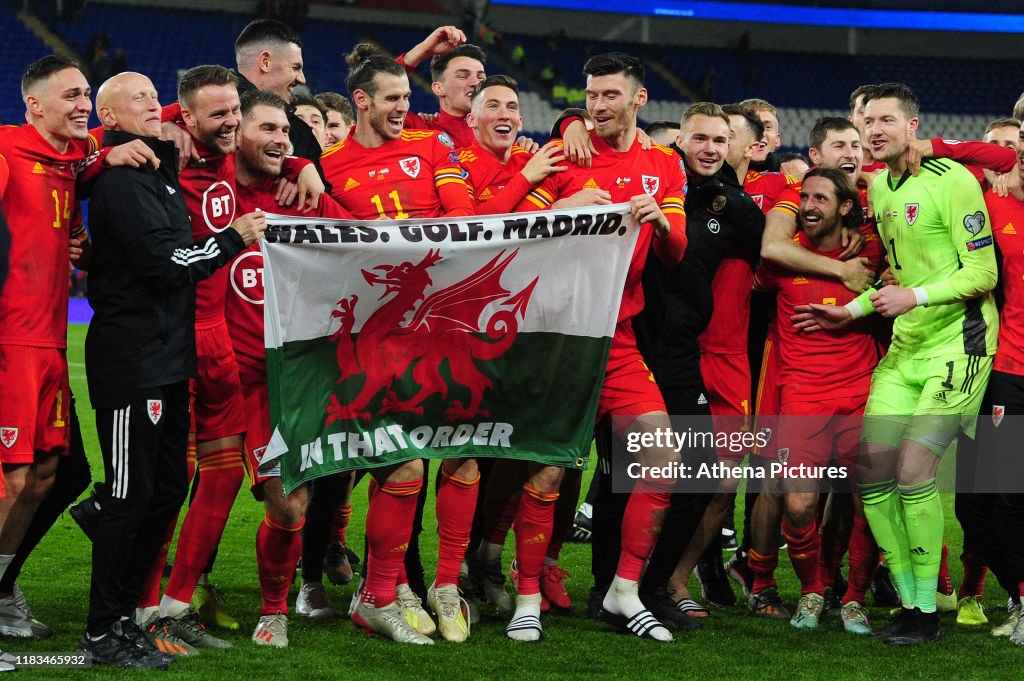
[(379, 123)]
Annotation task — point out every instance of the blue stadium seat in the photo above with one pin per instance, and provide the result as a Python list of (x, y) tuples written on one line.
[(29, 48)]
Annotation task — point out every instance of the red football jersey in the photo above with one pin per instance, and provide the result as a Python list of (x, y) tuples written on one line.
[(39, 204), (769, 189), (836, 363), (1006, 214), (730, 322), (657, 171), (498, 187), (209, 187), (459, 133), (417, 176), (244, 304)]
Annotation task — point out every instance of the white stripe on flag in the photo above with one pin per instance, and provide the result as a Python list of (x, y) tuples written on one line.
[(576, 274)]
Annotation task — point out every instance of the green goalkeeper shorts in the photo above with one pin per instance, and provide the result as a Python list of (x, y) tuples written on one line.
[(925, 400)]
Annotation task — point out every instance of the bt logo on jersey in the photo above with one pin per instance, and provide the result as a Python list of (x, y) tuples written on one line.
[(247, 277), (251, 278), (219, 206)]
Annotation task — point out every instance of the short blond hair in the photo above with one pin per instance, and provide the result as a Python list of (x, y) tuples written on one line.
[(758, 105), (1002, 123), (709, 109)]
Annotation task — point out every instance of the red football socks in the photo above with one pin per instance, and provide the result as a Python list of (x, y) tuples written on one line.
[(190, 457), (220, 475), (863, 561), (945, 585), (278, 547), (763, 566), (150, 596), (804, 552), (388, 529), (533, 525), (833, 546), (456, 504), (975, 571), (641, 525), (339, 524)]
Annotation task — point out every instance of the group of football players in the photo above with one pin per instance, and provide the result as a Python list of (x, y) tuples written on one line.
[(854, 233)]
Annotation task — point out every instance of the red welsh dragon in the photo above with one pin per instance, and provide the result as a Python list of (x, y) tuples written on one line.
[(446, 325)]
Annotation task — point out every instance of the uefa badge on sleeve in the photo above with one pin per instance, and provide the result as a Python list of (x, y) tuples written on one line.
[(154, 409), (974, 223), (998, 412)]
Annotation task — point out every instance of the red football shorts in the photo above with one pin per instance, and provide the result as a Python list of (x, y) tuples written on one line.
[(257, 437), (217, 389), (817, 433), (727, 378), (629, 388), (34, 399), (769, 397)]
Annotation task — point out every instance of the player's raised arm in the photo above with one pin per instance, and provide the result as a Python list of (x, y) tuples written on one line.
[(834, 143), (441, 40), (777, 246), (986, 155)]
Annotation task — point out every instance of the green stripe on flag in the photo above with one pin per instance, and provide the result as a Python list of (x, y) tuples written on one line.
[(530, 409)]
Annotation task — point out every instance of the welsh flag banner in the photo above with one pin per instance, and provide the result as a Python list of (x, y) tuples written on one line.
[(480, 336)]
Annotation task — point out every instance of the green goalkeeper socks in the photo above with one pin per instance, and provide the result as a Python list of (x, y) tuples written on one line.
[(922, 514), (883, 508)]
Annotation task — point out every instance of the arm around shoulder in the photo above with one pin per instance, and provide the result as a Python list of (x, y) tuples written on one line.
[(156, 240)]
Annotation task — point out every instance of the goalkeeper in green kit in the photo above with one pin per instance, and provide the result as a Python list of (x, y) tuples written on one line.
[(940, 249)]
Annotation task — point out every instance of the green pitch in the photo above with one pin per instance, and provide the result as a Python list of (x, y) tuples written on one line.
[(732, 645)]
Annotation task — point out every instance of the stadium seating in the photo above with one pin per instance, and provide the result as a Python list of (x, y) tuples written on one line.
[(957, 97), (29, 48)]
